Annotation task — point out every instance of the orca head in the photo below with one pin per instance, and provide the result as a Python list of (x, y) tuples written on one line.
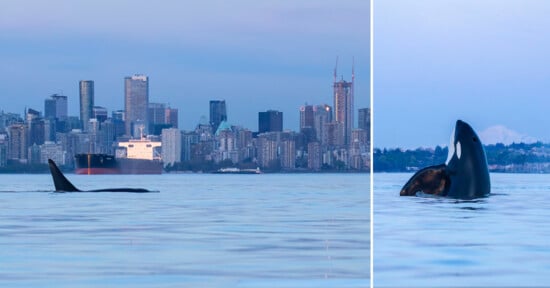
[(467, 164), (464, 141)]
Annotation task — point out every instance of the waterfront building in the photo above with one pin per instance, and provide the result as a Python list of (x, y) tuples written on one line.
[(171, 146), (227, 148), (4, 143), (188, 140), (267, 150), (52, 150), (288, 154), (218, 113), (270, 121), (17, 142), (136, 101), (86, 90), (314, 159)]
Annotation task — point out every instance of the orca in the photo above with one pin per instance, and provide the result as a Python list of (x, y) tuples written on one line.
[(63, 185), (464, 175)]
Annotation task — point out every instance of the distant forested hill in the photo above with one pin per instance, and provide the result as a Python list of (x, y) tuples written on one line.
[(514, 158)]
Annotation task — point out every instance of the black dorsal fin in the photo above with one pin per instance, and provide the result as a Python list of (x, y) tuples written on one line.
[(61, 183)]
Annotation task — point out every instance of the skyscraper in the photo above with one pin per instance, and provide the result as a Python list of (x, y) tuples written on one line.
[(322, 114), (86, 88), (100, 113), (136, 101), (343, 104), (156, 113), (56, 107), (364, 119), (270, 121), (306, 117), (171, 115), (218, 113)]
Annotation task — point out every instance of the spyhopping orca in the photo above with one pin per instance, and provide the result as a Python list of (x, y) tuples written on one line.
[(463, 176), (63, 185)]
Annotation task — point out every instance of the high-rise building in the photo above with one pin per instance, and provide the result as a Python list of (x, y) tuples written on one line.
[(270, 121), (4, 143), (218, 113), (118, 122), (314, 160), (156, 113), (6, 119), (56, 107), (171, 146), (100, 113), (322, 114), (333, 134), (306, 117), (136, 102), (52, 150), (188, 140), (86, 88), (364, 119), (171, 115), (17, 145), (267, 150), (343, 105), (288, 154)]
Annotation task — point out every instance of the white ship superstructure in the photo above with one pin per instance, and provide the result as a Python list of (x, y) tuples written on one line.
[(142, 148)]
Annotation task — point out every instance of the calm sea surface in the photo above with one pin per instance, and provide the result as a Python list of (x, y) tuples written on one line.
[(502, 240), (283, 230)]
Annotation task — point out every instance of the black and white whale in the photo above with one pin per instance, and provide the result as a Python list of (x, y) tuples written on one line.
[(464, 175), (63, 185)]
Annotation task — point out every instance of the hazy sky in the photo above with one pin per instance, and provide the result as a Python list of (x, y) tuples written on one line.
[(486, 62), (257, 55)]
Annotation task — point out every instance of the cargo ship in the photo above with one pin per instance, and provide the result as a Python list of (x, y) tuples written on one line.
[(137, 156)]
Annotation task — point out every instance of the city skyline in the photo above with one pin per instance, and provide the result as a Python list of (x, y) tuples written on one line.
[(277, 56), (108, 112)]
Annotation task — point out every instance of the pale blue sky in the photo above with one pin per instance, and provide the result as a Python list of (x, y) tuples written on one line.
[(486, 62), (257, 55)]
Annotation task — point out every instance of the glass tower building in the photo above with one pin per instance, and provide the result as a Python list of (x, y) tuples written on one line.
[(86, 102), (136, 102), (218, 113)]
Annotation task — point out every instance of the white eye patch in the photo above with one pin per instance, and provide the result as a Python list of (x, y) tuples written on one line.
[(458, 150), (451, 148)]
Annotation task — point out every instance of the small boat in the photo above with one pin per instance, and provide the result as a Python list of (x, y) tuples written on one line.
[(233, 170)]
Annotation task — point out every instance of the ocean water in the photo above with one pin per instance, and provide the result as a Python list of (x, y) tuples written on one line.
[(499, 241), (270, 230)]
